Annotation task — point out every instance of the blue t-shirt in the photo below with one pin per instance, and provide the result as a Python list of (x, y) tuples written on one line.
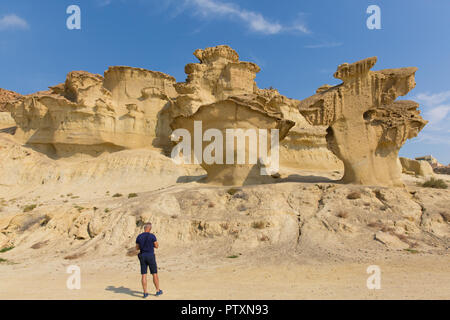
[(145, 241)]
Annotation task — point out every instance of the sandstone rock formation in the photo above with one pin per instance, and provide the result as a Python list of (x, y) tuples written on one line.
[(132, 108), (7, 96), (91, 114), (367, 126), (437, 167), (220, 74), (6, 121), (416, 167), (240, 112)]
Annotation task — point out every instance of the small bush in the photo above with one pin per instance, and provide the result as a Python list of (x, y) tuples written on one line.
[(6, 249), (78, 208), (132, 195), (435, 183), (377, 225), (46, 219), (116, 195), (210, 205), (240, 195), (379, 195), (233, 256), (342, 214), (242, 207), (258, 225), (74, 256), (39, 245), (411, 250), (232, 191), (95, 208), (29, 207), (354, 195), (107, 210), (445, 216), (3, 260)]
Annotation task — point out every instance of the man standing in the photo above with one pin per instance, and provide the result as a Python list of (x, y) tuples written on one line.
[(146, 243)]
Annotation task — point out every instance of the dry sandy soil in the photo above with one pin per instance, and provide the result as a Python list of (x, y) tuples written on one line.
[(305, 236), (408, 276)]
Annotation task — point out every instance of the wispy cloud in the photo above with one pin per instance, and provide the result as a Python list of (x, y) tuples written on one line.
[(12, 22), (437, 106), (210, 9), (255, 21), (436, 109), (324, 45), (433, 99)]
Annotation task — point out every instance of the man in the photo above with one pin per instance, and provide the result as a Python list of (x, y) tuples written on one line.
[(146, 243)]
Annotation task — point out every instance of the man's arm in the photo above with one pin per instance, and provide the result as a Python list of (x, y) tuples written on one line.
[(155, 244), (137, 246)]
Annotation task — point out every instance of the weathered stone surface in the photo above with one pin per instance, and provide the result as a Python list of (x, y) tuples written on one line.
[(418, 167), (220, 75), (391, 241), (6, 121), (7, 96), (242, 112), (366, 126), (91, 114)]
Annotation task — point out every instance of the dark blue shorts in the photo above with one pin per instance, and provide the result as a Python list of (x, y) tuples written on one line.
[(147, 261)]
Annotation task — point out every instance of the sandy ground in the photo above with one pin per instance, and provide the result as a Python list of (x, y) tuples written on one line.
[(409, 276)]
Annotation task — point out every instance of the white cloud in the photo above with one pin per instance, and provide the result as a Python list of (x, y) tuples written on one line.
[(438, 113), (12, 21), (436, 106), (255, 21), (433, 99), (436, 109)]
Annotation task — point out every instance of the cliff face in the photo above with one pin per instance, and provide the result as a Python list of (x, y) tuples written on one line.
[(91, 114), (132, 108)]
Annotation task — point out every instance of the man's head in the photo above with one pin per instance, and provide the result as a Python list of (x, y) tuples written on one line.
[(147, 227)]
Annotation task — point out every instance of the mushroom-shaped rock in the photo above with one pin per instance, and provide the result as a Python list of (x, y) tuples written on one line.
[(229, 138), (220, 75), (366, 126)]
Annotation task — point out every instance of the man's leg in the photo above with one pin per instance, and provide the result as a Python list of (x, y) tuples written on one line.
[(156, 281), (144, 282), (143, 274)]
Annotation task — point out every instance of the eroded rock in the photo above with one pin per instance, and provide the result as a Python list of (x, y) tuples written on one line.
[(237, 113), (366, 126), (91, 114)]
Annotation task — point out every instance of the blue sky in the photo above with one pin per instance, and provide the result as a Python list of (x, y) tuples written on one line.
[(298, 44)]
